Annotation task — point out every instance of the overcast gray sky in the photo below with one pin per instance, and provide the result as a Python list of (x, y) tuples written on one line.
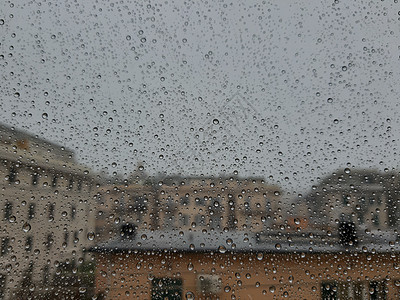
[(288, 89)]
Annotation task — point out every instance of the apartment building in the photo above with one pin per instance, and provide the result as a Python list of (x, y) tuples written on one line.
[(47, 212), (368, 198), (195, 203)]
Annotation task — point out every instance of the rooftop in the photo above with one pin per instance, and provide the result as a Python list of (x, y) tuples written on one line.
[(237, 241)]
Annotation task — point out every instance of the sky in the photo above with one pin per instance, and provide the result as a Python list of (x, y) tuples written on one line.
[(286, 90)]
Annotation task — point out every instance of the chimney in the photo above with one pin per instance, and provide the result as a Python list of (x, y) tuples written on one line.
[(128, 231), (347, 234)]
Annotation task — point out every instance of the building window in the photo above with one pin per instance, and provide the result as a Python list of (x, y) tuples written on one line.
[(54, 181), (12, 175), (35, 178), (345, 199), (79, 185), (169, 221), (76, 239), (353, 290), (51, 211), (2, 285), (73, 212), (201, 201), (166, 288), (66, 238), (46, 274), (185, 200), (8, 210), (31, 211), (184, 220), (200, 220), (375, 219), (49, 241), (5, 242), (29, 243), (71, 183), (377, 290)]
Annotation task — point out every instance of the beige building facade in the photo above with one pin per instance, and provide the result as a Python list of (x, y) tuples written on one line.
[(47, 212), (190, 203)]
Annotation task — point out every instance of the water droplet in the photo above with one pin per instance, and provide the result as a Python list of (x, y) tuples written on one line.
[(143, 237), (344, 68), (190, 267), (227, 289), (45, 116), (330, 100), (128, 37), (26, 227), (278, 246), (17, 95), (215, 121), (260, 256), (1, 21), (272, 289), (91, 236), (221, 249), (189, 296)]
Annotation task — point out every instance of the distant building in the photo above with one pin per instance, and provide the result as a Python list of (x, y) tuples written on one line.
[(47, 212), (196, 203), (240, 265), (367, 198)]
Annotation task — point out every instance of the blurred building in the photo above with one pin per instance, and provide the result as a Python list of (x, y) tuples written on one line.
[(195, 203), (240, 265), (367, 198), (47, 212)]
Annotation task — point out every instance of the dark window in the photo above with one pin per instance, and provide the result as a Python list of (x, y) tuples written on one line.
[(375, 219), (46, 274), (12, 175), (166, 288), (345, 199), (8, 210), (35, 178), (49, 241), (66, 238), (54, 181), (76, 239), (201, 201), (51, 211), (200, 220), (329, 291), (5, 242), (2, 285), (31, 211), (184, 220), (139, 204), (377, 290), (185, 200), (29, 243), (79, 185), (73, 212), (71, 183)]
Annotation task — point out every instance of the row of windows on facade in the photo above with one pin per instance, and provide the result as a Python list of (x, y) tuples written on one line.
[(8, 211), (171, 288), (5, 242), (12, 177), (185, 219), (140, 203)]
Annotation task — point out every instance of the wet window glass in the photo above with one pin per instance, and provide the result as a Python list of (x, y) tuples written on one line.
[(199, 149)]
